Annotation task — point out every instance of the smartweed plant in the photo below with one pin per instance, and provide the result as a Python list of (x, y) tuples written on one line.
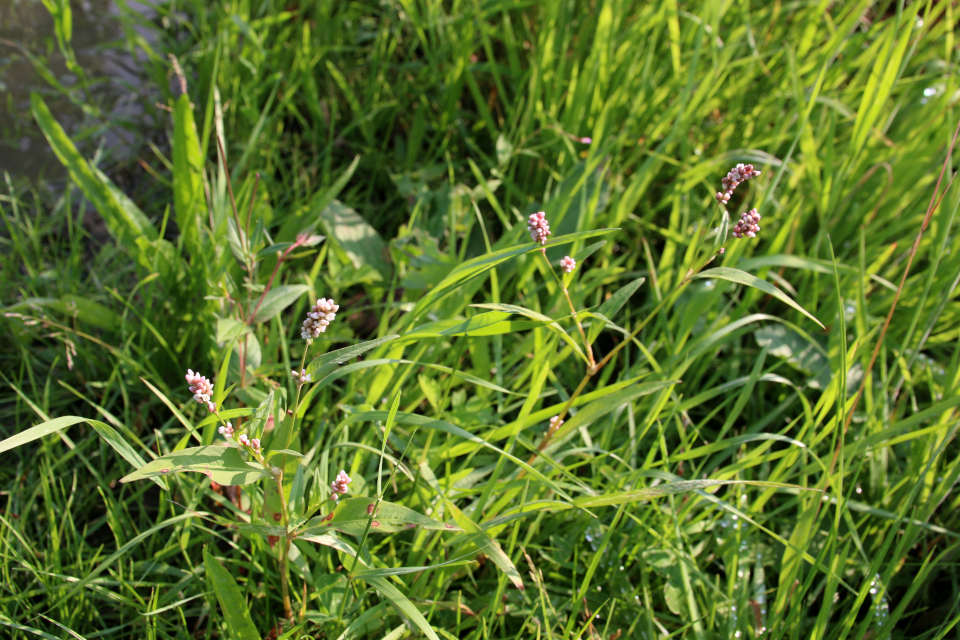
[(298, 500)]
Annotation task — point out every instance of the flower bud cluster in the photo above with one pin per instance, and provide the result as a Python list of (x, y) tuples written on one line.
[(202, 389), (555, 423), (748, 225), (538, 227), (302, 377), (226, 430), (320, 315), (740, 173), (244, 440), (339, 485), (568, 264)]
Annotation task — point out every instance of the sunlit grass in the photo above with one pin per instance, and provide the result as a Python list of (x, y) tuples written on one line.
[(462, 119)]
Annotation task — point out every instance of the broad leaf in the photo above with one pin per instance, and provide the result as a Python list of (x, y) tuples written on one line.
[(223, 465), (278, 299), (355, 237), (235, 611)]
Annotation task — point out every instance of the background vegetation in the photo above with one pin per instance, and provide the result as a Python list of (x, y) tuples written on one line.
[(416, 136)]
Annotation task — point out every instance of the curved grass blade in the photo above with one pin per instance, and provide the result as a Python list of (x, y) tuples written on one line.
[(742, 277), (402, 604), (481, 264)]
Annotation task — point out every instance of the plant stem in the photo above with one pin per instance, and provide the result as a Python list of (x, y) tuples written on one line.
[(573, 311), (288, 537)]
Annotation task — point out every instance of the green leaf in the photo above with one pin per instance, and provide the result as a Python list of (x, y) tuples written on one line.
[(235, 611), (351, 516), (402, 604), (86, 310), (612, 305), (229, 329), (355, 237), (106, 432), (188, 197), (124, 219), (744, 278), (258, 422), (31, 434), (278, 299), (340, 356), (223, 465)]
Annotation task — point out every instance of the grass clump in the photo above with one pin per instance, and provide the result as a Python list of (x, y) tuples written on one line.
[(683, 435)]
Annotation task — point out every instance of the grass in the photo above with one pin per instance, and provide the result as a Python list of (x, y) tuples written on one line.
[(418, 136)]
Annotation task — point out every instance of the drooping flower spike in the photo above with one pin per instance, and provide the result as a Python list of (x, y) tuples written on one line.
[(538, 227), (739, 174), (748, 225), (568, 264), (339, 485), (202, 389), (318, 318)]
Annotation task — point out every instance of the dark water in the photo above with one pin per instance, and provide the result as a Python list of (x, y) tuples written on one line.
[(112, 66)]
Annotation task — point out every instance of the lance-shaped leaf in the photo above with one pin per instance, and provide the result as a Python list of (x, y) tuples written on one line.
[(278, 299), (340, 356), (351, 515), (235, 611), (223, 465)]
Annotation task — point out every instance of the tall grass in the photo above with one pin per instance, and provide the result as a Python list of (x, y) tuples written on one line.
[(419, 135)]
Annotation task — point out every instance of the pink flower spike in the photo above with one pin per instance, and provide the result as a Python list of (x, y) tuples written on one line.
[(568, 264), (318, 318), (739, 174), (555, 423), (244, 440), (226, 430), (201, 388), (339, 485), (539, 227), (586, 140), (255, 444)]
